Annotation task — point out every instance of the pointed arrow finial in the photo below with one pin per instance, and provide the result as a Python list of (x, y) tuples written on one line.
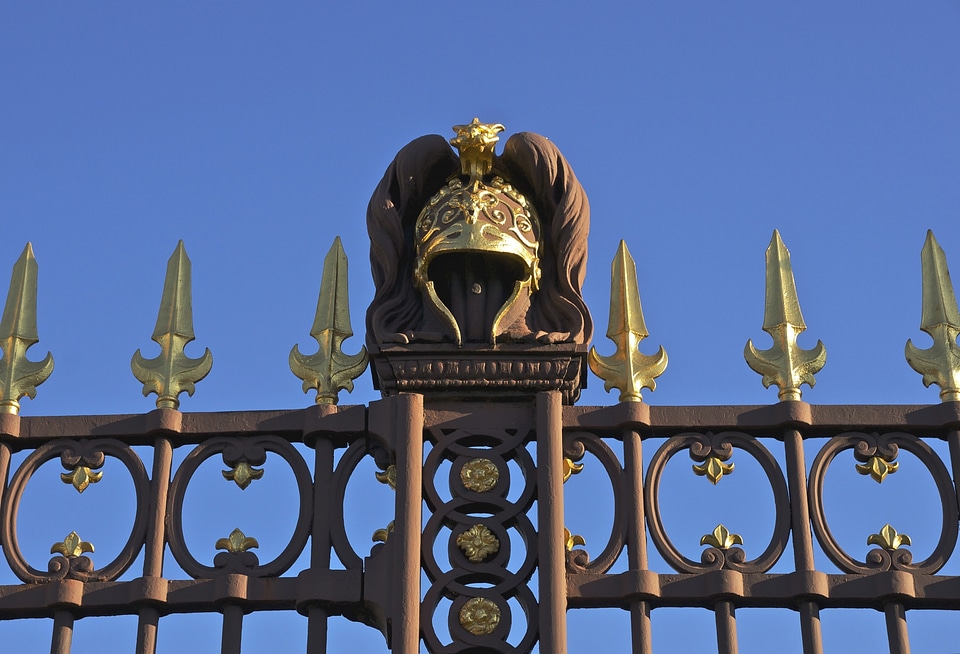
[(173, 372), (330, 370), (18, 331), (627, 369), (940, 364), (785, 365)]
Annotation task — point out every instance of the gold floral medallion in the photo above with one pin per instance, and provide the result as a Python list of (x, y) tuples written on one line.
[(480, 616), (478, 543), (479, 475)]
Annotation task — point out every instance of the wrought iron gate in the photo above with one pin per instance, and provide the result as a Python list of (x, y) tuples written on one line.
[(477, 432)]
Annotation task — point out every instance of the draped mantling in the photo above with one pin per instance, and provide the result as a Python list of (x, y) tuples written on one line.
[(536, 168)]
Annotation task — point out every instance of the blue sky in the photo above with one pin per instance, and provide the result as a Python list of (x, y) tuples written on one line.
[(256, 132)]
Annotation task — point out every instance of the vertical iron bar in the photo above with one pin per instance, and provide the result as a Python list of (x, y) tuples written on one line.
[(317, 630), (4, 468), (408, 523), (811, 636), (897, 628), (726, 627), (10, 426), (550, 542), (636, 537), (320, 539), (62, 632), (953, 440), (323, 473), (232, 629), (148, 622), (149, 617), (810, 632)]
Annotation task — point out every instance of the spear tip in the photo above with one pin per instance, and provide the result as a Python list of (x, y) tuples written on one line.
[(781, 304), (626, 314), (333, 305), (939, 304), (20, 311), (176, 301), (330, 370)]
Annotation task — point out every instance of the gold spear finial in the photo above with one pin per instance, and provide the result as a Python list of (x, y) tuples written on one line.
[(330, 370), (173, 372), (627, 369), (940, 364), (18, 332), (785, 364)]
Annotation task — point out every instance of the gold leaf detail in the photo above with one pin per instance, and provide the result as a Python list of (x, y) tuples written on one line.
[(721, 538), (889, 539), (479, 475), (236, 542), (572, 540), (81, 477), (480, 616), (72, 546), (381, 535), (570, 468), (878, 468), (478, 543), (388, 476), (713, 469), (242, 473)]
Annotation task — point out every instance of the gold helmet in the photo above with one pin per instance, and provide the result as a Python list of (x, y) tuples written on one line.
[(477, 216)]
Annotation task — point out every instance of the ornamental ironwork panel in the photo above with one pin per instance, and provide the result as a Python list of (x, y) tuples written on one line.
[(479, 341)]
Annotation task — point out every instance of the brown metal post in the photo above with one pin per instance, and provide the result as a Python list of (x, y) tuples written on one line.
[(232, 629), (811, 636), (636, 537), (320, 539), (149, 617), (897, 628), (317, 630), (62, 632), (550, 541), (147, 625), (4, 467), (408, 524), (726, 627), (810, 632), (10, 426)]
